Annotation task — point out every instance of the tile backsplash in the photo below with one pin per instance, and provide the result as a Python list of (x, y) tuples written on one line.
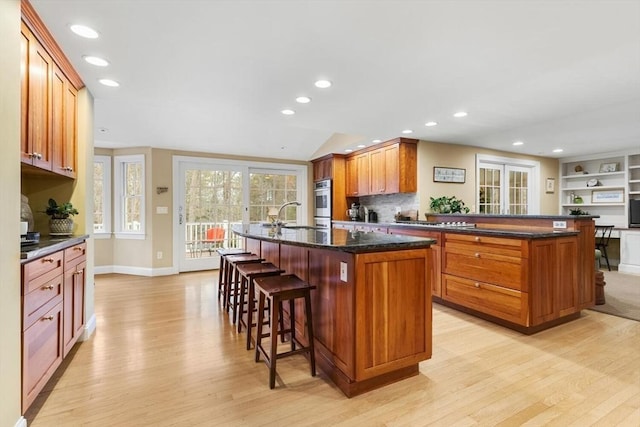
[(385, 205)]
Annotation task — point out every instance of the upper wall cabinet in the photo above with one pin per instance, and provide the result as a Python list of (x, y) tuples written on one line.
[(49, 103), (387, 168)]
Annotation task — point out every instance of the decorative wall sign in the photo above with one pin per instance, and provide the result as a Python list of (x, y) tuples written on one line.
[(454, 175), (607, 196), (551, 185)]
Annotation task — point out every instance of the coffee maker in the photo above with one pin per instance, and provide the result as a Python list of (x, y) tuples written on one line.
[(354, 212)]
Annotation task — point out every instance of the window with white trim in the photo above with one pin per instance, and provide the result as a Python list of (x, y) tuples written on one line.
[(129, 196), (101, 196)]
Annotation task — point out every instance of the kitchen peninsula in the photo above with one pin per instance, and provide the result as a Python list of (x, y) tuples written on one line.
[(372, 303)]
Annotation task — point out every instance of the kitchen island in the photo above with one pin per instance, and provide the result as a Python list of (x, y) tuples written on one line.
[(372, 303), (525, 272)]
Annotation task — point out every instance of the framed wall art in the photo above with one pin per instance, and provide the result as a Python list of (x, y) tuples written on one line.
[(609, 167), (452, 175), (607, 196)]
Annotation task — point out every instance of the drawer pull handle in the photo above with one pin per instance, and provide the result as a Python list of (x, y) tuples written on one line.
[(48, 318), (477, 239), (77, 249), (477, 285), (77, 272), (47, 288), (47, 260), (477, 255)]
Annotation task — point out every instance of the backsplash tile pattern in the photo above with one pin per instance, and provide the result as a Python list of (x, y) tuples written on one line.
[(385, 205)]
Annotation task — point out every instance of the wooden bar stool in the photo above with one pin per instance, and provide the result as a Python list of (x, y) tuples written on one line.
[(249, 272), (231, 288), (223, 252), (277, 289)]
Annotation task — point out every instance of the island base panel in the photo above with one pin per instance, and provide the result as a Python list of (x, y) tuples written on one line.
[(351, 387)]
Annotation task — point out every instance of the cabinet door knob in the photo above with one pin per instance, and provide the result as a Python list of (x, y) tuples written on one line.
[(48, 318), (39, 156), (477, 239), (77, 272), (47, 260), (47, 287), (477, 255), (477, 285)]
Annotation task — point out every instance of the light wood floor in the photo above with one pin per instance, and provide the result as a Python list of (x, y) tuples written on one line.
[(165, 355)]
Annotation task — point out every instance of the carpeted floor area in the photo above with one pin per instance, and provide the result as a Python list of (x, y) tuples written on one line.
[(622, 295)]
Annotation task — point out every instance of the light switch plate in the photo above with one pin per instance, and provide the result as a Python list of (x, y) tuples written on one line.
[(162, 210), (343, 271)]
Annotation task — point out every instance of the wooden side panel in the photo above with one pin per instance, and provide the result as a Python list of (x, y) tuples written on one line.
[(333, 307), (253, 246), (586, 263), (270, 251), (544, 299), (567, 267), (393, 311), (392, 169)]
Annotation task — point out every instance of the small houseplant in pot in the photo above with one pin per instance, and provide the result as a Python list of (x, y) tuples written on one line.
[(446, 204), (61, 223)]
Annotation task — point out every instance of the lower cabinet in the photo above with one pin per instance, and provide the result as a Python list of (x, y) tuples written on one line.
[(52, 315)]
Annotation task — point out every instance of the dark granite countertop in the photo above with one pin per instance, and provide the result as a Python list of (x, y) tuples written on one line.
[(334, 239), (425, 225), (48, 245)]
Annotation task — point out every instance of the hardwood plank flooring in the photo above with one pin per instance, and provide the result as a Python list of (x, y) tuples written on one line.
[(165, 354)]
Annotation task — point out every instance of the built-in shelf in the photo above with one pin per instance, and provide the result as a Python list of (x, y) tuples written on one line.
[(592, 175), (576, 205)]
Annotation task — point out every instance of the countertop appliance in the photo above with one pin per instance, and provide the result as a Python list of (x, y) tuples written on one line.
[(354, 212), (322, 202)]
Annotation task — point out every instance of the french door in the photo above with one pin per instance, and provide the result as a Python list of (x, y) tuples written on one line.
[(506, 186), (213, 195)]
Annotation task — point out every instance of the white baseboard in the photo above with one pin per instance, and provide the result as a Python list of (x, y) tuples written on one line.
[(628, 269), (135, 271), (89, 329), (22, 422)]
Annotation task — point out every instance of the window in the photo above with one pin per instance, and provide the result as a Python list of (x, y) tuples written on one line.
[(507, 186), (270, 189), (102, 196), (129, 196)]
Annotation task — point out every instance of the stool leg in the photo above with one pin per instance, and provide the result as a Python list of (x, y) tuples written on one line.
[(259, 326), (220, 278), (240, 311), (292, 322), (227, 286), (273, 356), (312, 354), (250, 308)]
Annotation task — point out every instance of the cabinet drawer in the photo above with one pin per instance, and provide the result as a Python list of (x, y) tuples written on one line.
[(484, 265), (497, 301), (40, 266), (41, 297), (41, 354), (75, 255), (506, 246)]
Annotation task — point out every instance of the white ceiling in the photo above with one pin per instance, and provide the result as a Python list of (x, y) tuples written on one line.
[(212, 76)]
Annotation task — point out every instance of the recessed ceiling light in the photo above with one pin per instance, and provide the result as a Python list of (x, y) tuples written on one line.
[(323, 84), (361, 146), (407, 131), (109, 82), (303, 99), (518, 143), (375, 141), (558, 150), (94, 60), (348, 150), (460, 114), (84, 31), (103, 130), (431, 124), (288, 112)]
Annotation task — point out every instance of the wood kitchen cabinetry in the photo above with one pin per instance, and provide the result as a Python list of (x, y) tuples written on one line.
[(49, 105), (333, 167), (52, 315)]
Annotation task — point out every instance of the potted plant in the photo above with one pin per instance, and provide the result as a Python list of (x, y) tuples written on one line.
[(61, 223), (446, 204)]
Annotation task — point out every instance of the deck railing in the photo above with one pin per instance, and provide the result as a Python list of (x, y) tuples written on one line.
[(196, 234)]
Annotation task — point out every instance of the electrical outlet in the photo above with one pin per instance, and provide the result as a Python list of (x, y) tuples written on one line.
[(559, 224), (159, 255), (343, 271)]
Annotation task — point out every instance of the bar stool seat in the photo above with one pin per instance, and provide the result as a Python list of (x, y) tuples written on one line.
[(277, 289), (249, 272), (231, 286), (223, 252)]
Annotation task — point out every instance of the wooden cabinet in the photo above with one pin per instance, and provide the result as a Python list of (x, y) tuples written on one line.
[(322, 168), (52, 315), (75, 263), (435, 265), (42, 298), (387, 168), (333, 167), (48, 110)]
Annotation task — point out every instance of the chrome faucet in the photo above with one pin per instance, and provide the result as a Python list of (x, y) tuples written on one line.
[(284, 205)]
